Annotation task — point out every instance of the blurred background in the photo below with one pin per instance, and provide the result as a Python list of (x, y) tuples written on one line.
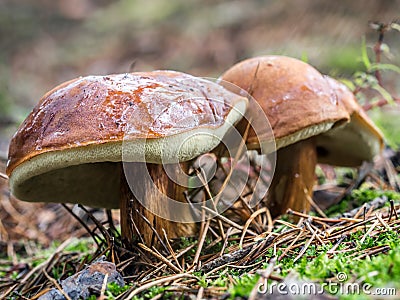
[(46, 42)]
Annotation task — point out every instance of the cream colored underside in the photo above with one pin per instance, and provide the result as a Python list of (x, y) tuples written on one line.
[(269, 146), (90, 174), (351, 144), (347, 145)]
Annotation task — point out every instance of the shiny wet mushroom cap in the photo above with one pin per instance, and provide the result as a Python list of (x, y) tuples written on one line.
[(69, 148), (295, 97)]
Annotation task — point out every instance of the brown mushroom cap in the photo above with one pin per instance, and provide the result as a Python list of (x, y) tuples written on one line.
[(66, 148), (357, 141), (295, 97)]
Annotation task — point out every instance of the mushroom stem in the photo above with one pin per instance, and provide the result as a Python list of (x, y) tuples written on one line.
[(294, 177), (137, 220)]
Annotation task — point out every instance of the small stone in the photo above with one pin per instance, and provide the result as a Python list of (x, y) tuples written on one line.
[(53, 294), (84, 283)]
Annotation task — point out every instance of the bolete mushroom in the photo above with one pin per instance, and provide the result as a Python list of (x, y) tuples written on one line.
[(71, 146), (300, 106)]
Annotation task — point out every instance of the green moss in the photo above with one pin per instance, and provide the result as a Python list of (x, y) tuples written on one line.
[(358, 197), (244, 285)]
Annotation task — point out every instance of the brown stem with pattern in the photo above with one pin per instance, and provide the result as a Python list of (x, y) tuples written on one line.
[(294, 178), (140, 224)]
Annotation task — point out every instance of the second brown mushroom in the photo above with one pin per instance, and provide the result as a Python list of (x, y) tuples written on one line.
[(309, 124)]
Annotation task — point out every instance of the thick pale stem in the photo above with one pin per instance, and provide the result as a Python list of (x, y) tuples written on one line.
[(134, 227), (294, 178)]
